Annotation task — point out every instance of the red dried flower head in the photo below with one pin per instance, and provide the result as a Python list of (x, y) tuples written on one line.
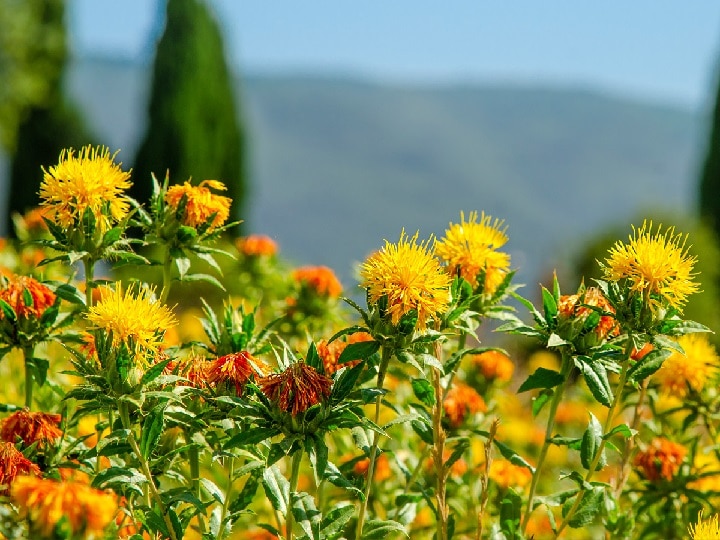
[(194, 369), (662, 459), (12, 464), (235, 368), (256, 245), (31, 427), (297, 388), (42, 297), (461, 401), (320, 279)]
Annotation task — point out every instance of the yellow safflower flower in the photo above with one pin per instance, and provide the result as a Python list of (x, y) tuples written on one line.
[(134, 318), (471, 246), (708, 529), (201, 202), (90, 180), (692, 369), (654, 263), (410, 277)]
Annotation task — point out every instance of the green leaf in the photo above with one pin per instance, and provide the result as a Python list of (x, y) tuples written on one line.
[(596, 379), (556, 341), (111, 236), (318, 456), (549, 307), (154, 372), (541, 399), (312, 359), (70, 294), (542, 378), (510, 511), (39, 367), (8, 311), (588, 509), (647, 365), (151, 430), (460, 448), (376, 529), (277, 489), (203, 277), (247, 493), (346, 382), (512, 456), (424, 391), (183, 266), (251, 436), (591, 441), (623, 429), (358, 351), (306, 514), (335, 521)]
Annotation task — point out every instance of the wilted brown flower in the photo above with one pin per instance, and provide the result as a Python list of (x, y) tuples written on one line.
[(235, 368), (297, 388)]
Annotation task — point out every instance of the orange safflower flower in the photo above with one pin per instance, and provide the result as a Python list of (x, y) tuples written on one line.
[(572, 306), (297, 388), (640, 354), (462, 401), (256, 245), (235, 368), (12, 294), (662, 459), (13, 464), (330, 352), (201, 202), (85, 511), (194, 369), (32, 427), (33, 219), (382, 468), (506, 474), (494, 365), (320, 279), (457, 469)]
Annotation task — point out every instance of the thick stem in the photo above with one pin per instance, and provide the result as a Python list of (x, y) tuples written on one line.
[(567, 365), (606, 428), (89, 266), (387, 353), (167, 276), (438, 451), (27, 353), (144, 467), (194, 459), (294, 475)]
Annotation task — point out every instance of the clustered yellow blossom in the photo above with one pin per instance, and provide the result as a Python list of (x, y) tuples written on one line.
[(410, 277), (134, 317), (88, 180), (655, 264), (705, 529), (692, 369), (85, 511), (472, 246), (201, 203)]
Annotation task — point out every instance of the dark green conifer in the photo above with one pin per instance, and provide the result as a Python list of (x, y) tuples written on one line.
[(193, 128)]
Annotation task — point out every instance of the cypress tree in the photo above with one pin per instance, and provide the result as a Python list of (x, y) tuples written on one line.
[(193, 128), (710, 176), (46, 127)]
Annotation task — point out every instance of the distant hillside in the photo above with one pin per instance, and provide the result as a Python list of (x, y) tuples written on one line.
[(338, 165)]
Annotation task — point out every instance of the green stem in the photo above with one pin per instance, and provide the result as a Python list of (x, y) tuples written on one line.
[(226, 503), (194, 459), (606, 428), (167, 276), (387, 353), (144, 467), (294, 475), (89, 266), (29, 379), (567, 365), (438, 451)]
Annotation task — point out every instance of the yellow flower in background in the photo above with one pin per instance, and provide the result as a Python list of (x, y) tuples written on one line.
[(471, 246), (506, 474), (85, 511), (410, 277), (692, 369), (654, 263), (134, 318), (708, 529), (201, 202), (90, 180)]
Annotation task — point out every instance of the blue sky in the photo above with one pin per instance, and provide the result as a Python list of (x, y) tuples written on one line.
[(652, 49)]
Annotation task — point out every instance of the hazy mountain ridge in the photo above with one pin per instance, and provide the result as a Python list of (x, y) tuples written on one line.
[(340, 164)]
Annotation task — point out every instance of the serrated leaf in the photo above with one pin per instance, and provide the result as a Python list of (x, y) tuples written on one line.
[(376, 529), (358, 351), (647, 365), (596, 379), (541, 378), (335, 521), (550, 307), (591, 440), (207, 278), (277, 489), (541, 399), (424, 391), (512, 456), (251, 436), (345, 383), (154, 372), (151, 430), (306, 514), (588, 509)]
